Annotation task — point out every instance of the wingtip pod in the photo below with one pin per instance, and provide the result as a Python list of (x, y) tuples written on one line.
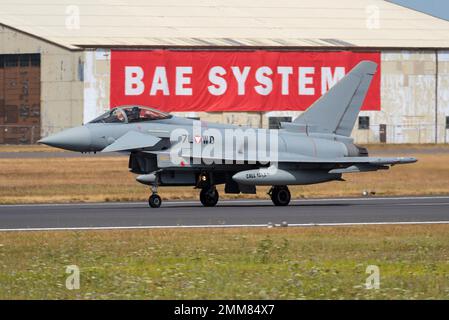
[(407, 160), (390, 161)]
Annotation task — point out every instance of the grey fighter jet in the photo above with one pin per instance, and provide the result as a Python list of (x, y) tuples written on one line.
[(166, 150)]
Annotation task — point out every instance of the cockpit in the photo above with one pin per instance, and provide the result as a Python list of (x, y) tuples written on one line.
[(131, 114)]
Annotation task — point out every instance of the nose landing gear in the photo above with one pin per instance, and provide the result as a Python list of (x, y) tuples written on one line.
[(280, 195), (154, 200)]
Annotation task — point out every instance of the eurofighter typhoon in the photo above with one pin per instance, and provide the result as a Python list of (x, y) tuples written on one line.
[(166, 150)]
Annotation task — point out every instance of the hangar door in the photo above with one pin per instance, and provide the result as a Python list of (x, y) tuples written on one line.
[(19, 98)]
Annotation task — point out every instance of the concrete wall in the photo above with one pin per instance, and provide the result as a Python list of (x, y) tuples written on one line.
[(443, 96), (61, 79), (97, 70), (407, 99)]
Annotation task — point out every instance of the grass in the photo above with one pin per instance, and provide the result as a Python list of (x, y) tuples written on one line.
[(28, 148), (259, 263), (255, 263), (28, 180)]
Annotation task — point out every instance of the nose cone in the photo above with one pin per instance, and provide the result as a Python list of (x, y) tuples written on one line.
[(75, 139)]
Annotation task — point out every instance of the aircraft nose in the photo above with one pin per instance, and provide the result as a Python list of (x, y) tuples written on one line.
[(75, 139)]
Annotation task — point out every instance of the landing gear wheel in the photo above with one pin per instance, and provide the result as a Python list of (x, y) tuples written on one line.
[(154, 201), (209, 197), (280, 195)]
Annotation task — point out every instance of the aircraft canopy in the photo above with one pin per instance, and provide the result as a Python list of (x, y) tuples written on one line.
[(130, 114)]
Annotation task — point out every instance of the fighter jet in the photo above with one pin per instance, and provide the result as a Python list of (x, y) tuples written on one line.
[(167, 150)]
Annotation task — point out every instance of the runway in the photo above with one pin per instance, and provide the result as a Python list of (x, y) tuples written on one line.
[(232, 213)]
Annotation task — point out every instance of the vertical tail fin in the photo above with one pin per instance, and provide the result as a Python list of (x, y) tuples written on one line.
[(337, 110)]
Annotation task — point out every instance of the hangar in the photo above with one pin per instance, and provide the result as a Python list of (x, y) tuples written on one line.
[(248, 62)]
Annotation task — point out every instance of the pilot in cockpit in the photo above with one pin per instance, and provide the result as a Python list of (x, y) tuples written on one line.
[(133, 114)]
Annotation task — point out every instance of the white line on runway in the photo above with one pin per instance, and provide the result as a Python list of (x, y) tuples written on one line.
[(223, 201), (231, 226), (421, 204)]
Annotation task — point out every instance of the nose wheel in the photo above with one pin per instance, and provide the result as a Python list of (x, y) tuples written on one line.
[(209, 196), (280, 195), (154, 200)]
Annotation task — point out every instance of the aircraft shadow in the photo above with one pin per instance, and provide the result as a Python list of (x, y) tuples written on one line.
[(317, 205), (199, 206)]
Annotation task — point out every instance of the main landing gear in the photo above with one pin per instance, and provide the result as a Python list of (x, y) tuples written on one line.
[(154, 200), (280, 195), (209, 196)]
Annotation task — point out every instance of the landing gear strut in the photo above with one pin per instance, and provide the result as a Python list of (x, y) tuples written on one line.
[(280, 195), (154, 200), (209, 196)]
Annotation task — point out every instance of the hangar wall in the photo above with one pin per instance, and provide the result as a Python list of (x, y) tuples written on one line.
[(407, 100), (408, 91), (407, 96), (408, 106), (443, 97), (61, 78)]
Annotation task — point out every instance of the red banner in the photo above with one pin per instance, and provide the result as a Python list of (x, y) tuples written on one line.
[(232, 80)]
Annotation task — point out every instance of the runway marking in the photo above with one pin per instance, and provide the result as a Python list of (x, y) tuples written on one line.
[(330, 224), (171, 203), (420, 204)]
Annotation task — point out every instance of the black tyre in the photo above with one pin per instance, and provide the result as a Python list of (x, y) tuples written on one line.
[(280, 195), (154, 201), (209, 197)]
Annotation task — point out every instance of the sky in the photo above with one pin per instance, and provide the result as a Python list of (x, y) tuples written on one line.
[(437, 8)]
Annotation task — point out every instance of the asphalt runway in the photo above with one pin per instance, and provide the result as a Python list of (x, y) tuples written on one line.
[(403, 210)]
